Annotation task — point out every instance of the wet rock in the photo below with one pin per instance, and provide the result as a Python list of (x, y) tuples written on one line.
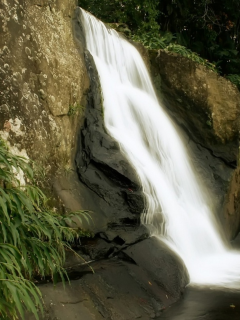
[(232, 204), (205, 304), (236, 242), (163, 266)]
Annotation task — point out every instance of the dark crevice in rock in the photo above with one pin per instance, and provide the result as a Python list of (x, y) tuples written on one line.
[(76, 275), (119, 241), (123, 256), (124, 224), (92, 187), (130, 222)]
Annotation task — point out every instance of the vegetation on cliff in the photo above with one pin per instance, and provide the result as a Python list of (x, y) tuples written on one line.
[(33, 238), (210, 28)]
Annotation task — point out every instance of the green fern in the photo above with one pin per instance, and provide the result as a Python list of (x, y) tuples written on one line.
[(33, 238)]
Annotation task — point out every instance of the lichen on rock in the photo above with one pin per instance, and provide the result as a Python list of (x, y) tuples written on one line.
[(42, 73)]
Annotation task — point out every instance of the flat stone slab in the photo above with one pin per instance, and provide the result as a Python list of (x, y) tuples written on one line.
[(120, 289)]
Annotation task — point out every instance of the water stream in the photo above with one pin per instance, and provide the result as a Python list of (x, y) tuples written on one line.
[(175, 204)]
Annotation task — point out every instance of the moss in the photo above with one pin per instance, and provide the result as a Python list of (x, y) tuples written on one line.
[(74, 109)]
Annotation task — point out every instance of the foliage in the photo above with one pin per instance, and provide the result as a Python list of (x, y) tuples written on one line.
[(137, 14), (211, 28), (33, 238), (234, 78), (154, 40), (208, 27)]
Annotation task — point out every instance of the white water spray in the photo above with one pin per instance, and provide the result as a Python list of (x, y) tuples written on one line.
[(175, 203)]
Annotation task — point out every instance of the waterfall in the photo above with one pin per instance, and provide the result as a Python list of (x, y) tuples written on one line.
[(175, 203)]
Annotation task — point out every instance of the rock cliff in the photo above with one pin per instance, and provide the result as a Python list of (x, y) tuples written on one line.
[(43, 84)]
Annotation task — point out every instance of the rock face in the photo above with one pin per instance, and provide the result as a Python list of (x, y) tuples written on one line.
[(43, 81), (101, 165), (207, 107)]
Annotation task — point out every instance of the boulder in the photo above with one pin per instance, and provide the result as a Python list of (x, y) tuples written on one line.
[(163, 266)]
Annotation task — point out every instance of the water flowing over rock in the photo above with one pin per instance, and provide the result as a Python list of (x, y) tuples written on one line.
[(176, 205)]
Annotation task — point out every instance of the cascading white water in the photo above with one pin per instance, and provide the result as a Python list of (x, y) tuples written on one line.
[(175, 204)]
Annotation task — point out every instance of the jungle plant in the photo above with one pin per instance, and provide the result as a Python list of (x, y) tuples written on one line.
[(33, 238), (153, 40)]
